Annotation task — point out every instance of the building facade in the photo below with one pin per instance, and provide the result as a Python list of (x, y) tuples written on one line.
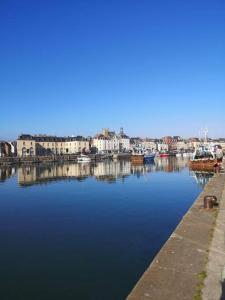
[(5, 149), (28, 145), (109, 141)]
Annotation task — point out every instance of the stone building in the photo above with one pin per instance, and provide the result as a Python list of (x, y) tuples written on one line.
[(150, 144), (28, 145), (109, 141), (5, 149)]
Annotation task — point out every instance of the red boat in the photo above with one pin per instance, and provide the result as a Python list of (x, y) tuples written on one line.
[(164, 154)]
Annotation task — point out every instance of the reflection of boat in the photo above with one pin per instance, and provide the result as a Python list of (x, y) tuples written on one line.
[(137, 158), (83, 158), (201, 178)]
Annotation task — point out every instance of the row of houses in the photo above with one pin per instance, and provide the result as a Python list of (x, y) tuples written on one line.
[(105, 142), (29, 145), (7, 149)]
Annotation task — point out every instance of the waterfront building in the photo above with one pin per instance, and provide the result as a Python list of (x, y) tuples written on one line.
[(124, 141), (180, 145), (193, 143), (5, 149), (161, 146), (104, 144), (221, 142), (150, 144), (136, 142), (109, 141), (28, 145)]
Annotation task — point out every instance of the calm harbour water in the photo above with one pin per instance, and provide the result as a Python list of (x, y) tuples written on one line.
[(84, 231)]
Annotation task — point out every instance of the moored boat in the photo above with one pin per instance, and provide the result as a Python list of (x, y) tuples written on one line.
[(164, 154), (83, 158), (204, 164), (204, 159), (149, 157)]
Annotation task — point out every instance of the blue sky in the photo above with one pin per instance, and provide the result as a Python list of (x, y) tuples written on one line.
[(73, 67)]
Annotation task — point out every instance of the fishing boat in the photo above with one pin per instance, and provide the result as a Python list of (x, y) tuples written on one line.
[(83, 158), (149, 157), (137, 157), (204, 159), (164, 154), (204, 164)]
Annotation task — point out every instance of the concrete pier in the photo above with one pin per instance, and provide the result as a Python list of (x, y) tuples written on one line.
[(185, 264)]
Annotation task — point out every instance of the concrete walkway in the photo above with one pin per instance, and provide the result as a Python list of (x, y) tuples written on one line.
[(179, 269), (215, 268)]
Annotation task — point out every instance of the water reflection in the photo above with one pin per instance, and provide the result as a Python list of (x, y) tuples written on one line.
[(107, 171), (201, 178), (89, 240)]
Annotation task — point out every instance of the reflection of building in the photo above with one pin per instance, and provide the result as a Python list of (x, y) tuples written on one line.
[(6, 172), (171, 164), (115, 169), (47, 172), (28, 145), (108, 171)]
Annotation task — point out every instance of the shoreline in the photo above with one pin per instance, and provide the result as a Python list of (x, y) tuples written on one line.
[(5, 161)]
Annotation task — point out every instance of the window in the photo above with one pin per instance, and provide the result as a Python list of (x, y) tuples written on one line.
[(31, 151), (24, 151)]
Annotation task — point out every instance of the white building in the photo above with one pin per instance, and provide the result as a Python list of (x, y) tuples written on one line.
[(124, 141), (149, 144), (162, 147), (110, 142), (103, 144)]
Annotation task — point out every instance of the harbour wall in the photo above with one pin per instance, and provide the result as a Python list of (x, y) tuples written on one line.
[(179, 269), (49, 158)]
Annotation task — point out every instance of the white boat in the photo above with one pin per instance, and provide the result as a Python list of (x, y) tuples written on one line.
[(178, 154), (83, 158)]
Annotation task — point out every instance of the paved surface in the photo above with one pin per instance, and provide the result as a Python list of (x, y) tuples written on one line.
[(216, 260), (175, 273)]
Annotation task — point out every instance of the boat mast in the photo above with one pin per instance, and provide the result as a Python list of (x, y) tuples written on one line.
[(205, 133)]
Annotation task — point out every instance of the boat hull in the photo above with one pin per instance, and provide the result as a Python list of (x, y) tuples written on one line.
[(164, 155), (83, 159), (149, 158), (204, 165)]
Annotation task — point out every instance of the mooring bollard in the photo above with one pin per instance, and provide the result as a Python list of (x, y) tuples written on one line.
[(209, 201)]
